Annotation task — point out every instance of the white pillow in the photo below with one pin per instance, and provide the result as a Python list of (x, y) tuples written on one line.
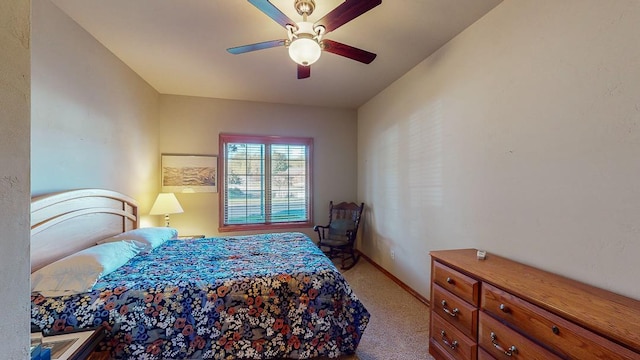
[(147, 238), (77, 273)]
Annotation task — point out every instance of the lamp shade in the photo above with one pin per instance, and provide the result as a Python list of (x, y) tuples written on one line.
[(166, 203), (304, 51)]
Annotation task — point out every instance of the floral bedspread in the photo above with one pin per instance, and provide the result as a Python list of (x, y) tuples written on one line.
[(245, 297)]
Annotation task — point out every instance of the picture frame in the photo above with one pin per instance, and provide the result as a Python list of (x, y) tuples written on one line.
[(189, 173)]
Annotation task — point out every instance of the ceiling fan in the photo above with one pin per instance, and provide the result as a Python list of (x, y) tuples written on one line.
[(305, 39)]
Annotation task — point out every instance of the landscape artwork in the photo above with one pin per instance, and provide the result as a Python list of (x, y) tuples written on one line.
[(189, 173)]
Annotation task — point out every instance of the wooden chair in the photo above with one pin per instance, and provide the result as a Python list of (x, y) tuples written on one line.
[(338, 237)]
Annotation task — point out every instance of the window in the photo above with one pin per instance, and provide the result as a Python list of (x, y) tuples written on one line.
[(266, 182)]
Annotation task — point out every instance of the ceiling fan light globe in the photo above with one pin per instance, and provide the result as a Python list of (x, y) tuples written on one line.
[(304, 51)]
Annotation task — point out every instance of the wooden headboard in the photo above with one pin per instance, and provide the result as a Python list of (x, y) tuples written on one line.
[(66, 222)]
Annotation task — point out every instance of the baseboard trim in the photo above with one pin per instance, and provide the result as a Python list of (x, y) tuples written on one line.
[(404, 286)]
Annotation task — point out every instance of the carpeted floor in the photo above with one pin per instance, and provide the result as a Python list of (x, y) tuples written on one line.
[(399, 326)]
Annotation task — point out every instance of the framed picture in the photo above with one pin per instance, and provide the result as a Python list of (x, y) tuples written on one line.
[(189, 173)]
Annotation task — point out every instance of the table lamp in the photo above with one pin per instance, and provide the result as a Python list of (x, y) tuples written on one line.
[(165, 204)]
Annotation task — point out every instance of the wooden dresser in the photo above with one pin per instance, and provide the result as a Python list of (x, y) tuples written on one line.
[(500, 309)]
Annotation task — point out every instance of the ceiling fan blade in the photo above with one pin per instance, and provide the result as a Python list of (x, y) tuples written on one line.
[(348, 51), (347, 11), (257, 46), (273, 12), (304, 71)]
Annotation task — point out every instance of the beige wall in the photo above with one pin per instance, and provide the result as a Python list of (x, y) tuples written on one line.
[(190, 125), (14, 178), (520, 136), (94, 121)]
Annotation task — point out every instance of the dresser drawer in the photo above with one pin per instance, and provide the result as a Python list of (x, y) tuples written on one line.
[(456, 282), (483, 355), (502, 342), (455, 310), (451, 340), (567, 339)]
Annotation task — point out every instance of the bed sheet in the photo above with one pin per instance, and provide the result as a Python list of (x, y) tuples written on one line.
[(250, 297)]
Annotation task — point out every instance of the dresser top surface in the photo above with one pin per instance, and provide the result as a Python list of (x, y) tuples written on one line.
[(610, 314)]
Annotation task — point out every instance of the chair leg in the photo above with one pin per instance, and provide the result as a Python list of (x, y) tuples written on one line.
[(326, 252), (350, 254), (330, 251)]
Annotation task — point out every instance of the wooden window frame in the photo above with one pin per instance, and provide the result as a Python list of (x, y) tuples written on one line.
[(265, 140)]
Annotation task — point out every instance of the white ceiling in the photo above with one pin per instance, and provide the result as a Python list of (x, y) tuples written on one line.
[(179, 46)]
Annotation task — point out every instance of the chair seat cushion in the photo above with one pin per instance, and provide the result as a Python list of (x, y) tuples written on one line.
[(335, 242)]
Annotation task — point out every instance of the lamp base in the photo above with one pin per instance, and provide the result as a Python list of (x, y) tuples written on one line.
[(166, 220)]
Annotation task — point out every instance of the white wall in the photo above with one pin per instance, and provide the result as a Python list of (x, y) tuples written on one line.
[(14, 177), (191, 125), (521, 136), (94, 121)]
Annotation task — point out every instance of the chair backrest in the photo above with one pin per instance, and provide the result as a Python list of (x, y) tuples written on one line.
[(344, 218)]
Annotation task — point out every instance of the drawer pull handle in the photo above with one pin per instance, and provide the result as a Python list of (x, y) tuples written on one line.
[(450, 281), (453, 344), (504, 308), (451, 313), (555, 329), (509, 352)]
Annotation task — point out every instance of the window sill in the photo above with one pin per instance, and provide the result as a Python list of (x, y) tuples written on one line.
[(253, 227)]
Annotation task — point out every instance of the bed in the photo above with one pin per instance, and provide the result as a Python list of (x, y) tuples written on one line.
[(266, 296)]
